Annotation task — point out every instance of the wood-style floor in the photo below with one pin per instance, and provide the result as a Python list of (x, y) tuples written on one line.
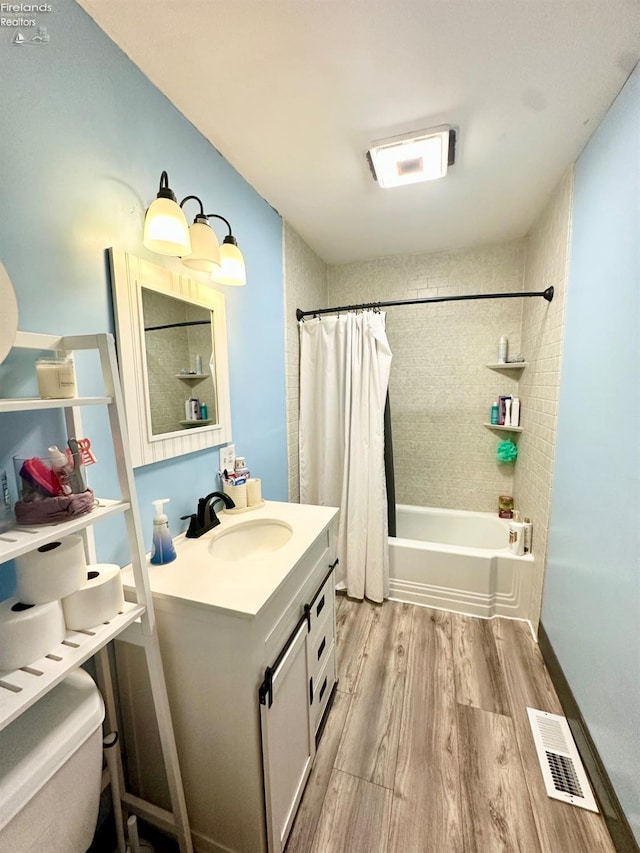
[(428, 748)]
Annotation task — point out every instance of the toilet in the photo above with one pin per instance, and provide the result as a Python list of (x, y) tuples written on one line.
[(51, 771)]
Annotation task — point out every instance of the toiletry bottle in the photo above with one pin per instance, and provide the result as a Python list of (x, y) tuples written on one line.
[(61, 468), (199, 365), (241, 472), (507, 412), (515, 411), (528, 534), (494, 413), (162, 549), (204, 411), (516, 535), (503, 348), (501, 408), (76, 480)]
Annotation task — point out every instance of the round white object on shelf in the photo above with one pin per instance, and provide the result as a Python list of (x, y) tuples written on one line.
[(8, 315)]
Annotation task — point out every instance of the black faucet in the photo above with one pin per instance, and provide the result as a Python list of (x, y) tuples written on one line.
[(206, 519)]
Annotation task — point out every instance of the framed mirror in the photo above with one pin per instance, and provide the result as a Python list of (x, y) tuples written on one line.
[(172, 355)]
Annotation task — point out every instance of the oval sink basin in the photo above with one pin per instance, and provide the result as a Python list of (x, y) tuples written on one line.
[(253, 538)]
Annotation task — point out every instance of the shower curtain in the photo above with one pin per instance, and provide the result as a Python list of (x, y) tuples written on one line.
[(344, 375)]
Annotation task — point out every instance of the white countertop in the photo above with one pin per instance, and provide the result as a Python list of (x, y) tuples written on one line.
[(241, 587)]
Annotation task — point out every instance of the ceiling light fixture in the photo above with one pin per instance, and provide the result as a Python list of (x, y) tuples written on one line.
[(166, 232), (423, 155)]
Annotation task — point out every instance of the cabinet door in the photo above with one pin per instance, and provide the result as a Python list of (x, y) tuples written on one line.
[(288, 743)]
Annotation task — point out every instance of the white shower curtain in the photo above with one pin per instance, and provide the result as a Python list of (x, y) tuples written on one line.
[(344, 375)]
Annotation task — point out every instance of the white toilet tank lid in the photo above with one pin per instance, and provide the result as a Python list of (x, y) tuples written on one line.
[(44, 737)]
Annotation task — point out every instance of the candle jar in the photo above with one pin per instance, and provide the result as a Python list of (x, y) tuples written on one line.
[(505, 506), (56, 378)]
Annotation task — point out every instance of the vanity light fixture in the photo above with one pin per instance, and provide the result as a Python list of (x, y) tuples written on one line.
[(166, 231), (232, 270), (205, 249), (423, 155), (165, 226)]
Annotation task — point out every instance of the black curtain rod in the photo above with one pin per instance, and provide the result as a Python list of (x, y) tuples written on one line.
[(546, 294), (176, 325)]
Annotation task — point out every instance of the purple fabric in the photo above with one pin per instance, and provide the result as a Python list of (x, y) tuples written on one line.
[(51, 510)]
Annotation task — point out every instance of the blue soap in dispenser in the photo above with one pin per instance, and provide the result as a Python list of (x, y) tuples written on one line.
[(162, 548)]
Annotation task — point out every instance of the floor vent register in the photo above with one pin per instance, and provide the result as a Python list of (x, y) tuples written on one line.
[(562, 770)]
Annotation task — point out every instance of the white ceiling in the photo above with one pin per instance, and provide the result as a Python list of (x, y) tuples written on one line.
[(292, 92)]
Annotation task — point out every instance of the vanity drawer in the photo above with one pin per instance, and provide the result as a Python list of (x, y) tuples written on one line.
[(285, 621), (319, 648), (322, 608), (322, 687)]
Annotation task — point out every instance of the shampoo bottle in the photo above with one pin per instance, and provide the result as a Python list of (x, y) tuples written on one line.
[(528, 534), (162, 549), (516, 535), (515, 411), (494, 413)]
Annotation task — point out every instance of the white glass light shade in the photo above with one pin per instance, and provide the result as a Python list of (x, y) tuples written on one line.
[(205, 249), (165, 228), (232, 270)]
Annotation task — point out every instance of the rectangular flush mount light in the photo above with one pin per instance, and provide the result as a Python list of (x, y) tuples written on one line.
[(423, 155)]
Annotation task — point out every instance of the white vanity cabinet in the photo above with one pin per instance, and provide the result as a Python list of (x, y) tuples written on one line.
[(250, 663)]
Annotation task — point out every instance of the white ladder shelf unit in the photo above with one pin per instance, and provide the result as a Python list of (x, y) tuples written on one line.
[(20, 689)]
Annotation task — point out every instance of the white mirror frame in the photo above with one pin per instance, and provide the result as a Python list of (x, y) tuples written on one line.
[(128, 274)]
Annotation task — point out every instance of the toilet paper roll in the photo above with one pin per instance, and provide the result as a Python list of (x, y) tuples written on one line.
[(238, 494), (28, 631), (51, 571), (254, 491), (99, 598)]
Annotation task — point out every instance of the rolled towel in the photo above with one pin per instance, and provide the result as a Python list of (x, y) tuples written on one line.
[(51, 510)]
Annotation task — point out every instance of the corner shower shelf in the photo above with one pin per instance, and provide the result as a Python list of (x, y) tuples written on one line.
[(191, 377), (503, 428), (513, 365)]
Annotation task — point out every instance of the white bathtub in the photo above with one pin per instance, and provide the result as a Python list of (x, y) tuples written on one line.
[(459, 561)]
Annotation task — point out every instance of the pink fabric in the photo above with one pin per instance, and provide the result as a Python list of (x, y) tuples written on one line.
[(51, 510)]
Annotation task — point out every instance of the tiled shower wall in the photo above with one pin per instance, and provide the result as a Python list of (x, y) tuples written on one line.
[(547, 263), (441, 390), (305, 277)]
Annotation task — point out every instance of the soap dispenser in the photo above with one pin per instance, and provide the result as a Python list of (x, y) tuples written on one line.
[(162, 548)]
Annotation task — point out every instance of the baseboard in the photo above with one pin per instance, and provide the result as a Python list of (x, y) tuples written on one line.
[(616, 821)]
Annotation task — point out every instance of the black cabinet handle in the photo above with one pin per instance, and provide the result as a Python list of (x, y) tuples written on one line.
[(320, 607), (334, 564), (322, 689), (322, 646), (311, 691)]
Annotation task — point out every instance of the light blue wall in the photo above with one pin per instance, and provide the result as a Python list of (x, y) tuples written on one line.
[(83, 140), (591, 608)]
